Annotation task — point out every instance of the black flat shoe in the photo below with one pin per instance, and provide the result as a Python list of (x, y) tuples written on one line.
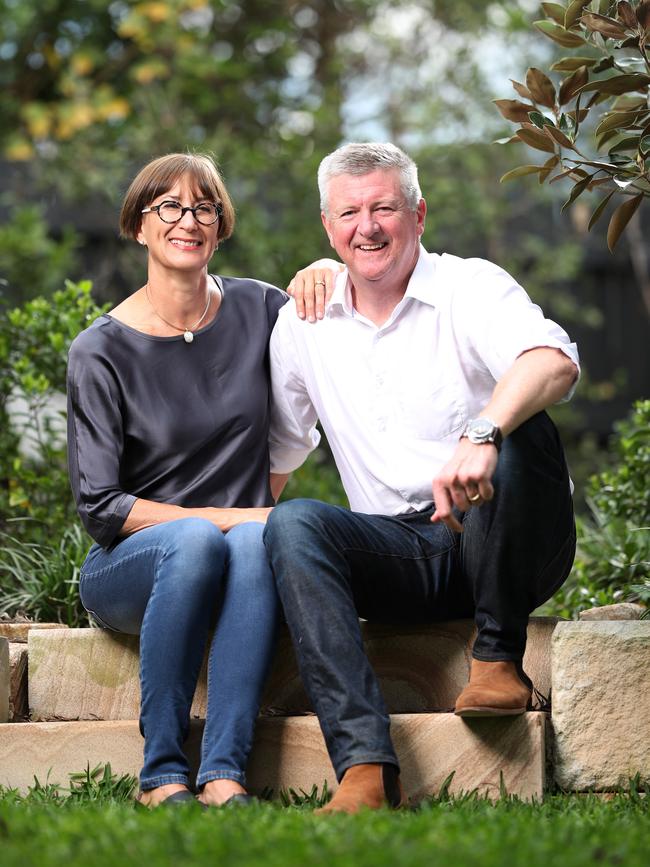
[(179, 798), (240, 800)]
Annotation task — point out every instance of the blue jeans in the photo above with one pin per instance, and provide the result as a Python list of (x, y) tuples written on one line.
[(169, 583), (333, 566)]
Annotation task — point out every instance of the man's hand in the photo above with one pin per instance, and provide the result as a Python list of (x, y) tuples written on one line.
[(312, 287), (464, 481)]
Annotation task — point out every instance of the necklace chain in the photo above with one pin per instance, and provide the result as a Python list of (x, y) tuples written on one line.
[(188, 331)]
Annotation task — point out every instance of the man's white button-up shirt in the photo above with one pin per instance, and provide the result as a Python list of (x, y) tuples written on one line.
[(393, 400)]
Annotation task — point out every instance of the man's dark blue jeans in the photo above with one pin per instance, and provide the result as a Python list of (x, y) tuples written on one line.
[(333, 566)]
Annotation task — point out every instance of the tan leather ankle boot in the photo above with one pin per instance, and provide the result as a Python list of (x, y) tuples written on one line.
[(372, 786), (494, 689)]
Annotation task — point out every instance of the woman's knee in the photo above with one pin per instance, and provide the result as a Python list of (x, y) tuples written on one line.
[(196, 546), (247, 561)]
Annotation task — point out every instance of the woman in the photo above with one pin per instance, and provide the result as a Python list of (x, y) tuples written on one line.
[(168, 423)]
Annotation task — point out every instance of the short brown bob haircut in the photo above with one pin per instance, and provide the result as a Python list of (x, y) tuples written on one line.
[(160, 175)]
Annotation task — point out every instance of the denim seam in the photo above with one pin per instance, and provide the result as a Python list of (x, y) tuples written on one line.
[(163, 780), (126, 559), (207, 777)]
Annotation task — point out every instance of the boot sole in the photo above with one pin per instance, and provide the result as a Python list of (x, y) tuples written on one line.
[(490, 711)]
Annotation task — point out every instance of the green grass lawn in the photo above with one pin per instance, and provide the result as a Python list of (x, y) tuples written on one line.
[(567, 831)]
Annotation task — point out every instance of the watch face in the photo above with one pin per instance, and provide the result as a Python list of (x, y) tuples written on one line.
[(482, 427)]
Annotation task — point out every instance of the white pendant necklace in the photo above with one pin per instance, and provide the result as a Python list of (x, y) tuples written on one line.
[(188, 331)]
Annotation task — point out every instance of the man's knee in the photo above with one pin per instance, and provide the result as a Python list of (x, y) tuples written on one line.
[(295, 521)]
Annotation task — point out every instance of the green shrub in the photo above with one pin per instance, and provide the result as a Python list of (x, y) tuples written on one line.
[(613, 557)]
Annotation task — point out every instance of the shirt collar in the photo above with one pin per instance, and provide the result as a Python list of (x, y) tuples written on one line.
[(420, 286)]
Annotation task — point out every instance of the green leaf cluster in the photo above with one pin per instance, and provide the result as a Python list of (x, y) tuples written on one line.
[(605, 89), (613, 557)]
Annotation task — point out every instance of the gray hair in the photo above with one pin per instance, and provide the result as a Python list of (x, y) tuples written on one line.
[(360, 158)]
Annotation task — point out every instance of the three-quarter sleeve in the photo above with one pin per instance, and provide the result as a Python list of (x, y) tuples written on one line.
[(95, 442)]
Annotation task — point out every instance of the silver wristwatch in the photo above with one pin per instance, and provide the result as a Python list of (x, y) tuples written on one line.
[(483, 430)]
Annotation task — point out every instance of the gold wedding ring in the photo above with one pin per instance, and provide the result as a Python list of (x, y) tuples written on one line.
[(319, 282), (475, 498)]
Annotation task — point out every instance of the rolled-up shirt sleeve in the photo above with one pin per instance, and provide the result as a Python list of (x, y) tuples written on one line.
[(95, 445), (502, 322), (293, 435)]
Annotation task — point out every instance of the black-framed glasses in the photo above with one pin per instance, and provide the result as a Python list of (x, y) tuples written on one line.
[(206, 213)]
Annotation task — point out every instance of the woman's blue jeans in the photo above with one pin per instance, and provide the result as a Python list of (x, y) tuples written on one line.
[(333, 566), (170, 583)]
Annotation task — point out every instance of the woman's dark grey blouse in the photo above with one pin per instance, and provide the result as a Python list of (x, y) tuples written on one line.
[(170, 421)]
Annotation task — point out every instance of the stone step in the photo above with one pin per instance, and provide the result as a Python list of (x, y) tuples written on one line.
[(93, 674), (289, 752), (18, 698), (19, 631), (601, 704)]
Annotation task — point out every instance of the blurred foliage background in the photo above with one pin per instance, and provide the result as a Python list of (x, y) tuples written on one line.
[(90, 90)]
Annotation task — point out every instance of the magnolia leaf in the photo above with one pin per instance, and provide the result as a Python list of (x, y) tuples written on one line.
[(558, 34), (607, 27), (573, 12), (598, 182), (539, 119), (606, 167), (570, 64), (606, 137), (620, 218), (574, 174), (547, 168), (559, 137), (630, 42), (629, 143), (604, 63), (577, 190), (571, 85), (535, 138), (507, 140), (644, 145), (630, 103), (597, 214), (541, 87), (513, 109), (581, 115), (624, 182), (519, 172), (626, 13), (643, 14), (616, 120), (522, 90), (618, 84), (554, 11)]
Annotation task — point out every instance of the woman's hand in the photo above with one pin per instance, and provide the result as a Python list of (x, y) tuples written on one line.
[(226, 519), (147, 513), (312, 287)]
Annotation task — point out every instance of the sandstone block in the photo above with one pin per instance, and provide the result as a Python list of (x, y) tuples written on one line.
[(620, 611), (18, 707), (19, 631), (5, 678), (601, 703), (290, 753), (93, 674)]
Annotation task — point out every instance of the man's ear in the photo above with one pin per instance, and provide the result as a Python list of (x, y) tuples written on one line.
[(421, 214)]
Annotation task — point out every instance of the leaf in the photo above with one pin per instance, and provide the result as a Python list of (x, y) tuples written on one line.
[(514, 110), (519, 172), (574, 11), (554, 11), (570, 173), (616, 120), (558, 136), (521, 89), (629, 143), (577, 190), (571, 85), (541, 87), (618, 84), (548, 167), (624, 182), (598, 212), (620, 218), (538, 119), (626, 13), (570, 64), (535, 138), (607, 27), (604, 63), (558, 34), (644, 145), (507, 140), (581, 115), (643, 14)]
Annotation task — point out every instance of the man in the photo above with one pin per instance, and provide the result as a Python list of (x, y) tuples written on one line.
[(429, 375)]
